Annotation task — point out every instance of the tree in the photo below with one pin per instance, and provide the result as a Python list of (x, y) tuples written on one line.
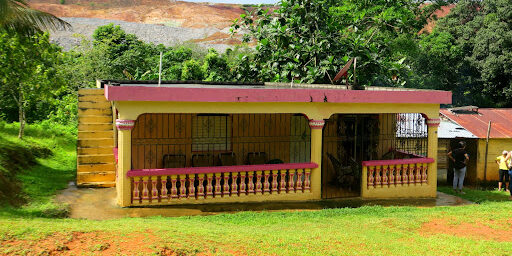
[(16, 16), (215, 67), (470, 53), (28, 70), (308, 41)]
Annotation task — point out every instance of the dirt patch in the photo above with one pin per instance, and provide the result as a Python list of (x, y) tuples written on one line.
[(106, 243), (78, 243), (490, 230), (186, 14), (220, 38)]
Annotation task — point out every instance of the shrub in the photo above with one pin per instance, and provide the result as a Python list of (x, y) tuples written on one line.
[(192, 70)]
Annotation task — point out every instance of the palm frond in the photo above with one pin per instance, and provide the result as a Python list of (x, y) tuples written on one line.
[(16, 16)]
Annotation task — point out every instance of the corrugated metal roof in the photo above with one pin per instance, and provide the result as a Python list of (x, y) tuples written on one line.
[(450, 130), (477, 122)]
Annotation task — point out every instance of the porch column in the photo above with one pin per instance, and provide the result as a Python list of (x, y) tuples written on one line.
[(123, 184), (432, 124), (316, 156)]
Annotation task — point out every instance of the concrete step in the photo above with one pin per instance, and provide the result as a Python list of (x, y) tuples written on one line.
[(94, 143), (95, 98), (94, 104), (94, 119), (95, 112), (102, 184), (95, 134), (95, 127), (86, 177), (91, 91), (111, 167), (96, 159), (95, 151)]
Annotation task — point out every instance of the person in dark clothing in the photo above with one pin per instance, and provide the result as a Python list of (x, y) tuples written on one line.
[(459, 158)]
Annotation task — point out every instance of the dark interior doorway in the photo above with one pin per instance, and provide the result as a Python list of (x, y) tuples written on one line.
[(347, 141)]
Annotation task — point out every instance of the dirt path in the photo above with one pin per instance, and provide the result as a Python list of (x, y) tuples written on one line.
[(479, 230)]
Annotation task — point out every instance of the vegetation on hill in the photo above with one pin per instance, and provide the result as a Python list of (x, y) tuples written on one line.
[(34, 169), (309, 41), (304, 41), (469, 53)]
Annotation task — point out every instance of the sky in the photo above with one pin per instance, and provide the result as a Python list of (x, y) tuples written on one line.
[(237, 1)]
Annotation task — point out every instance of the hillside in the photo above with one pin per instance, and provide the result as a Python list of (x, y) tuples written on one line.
[(157, 21)]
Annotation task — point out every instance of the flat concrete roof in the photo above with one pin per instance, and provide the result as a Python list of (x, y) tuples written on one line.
[(196, 91)]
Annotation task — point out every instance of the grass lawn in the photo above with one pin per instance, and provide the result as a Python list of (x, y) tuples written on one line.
[(480, 229), (479, 196), (50, 174)]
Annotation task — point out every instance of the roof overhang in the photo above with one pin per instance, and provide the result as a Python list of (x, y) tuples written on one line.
[(264, 94)]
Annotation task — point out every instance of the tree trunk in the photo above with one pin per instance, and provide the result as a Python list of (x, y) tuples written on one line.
[(21, 114)]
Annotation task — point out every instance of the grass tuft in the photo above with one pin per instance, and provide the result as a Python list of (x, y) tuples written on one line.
[(35, 168)]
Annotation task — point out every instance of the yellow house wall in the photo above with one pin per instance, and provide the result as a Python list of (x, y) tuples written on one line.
[(496, 146), (314, 110)]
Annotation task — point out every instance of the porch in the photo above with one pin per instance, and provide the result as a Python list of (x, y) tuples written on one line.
[(224, 150)]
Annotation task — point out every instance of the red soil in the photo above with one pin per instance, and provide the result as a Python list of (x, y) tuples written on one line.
[(220, 38), (185, 14), (86, 243), (445, 10), (104, 243), (492, 230)]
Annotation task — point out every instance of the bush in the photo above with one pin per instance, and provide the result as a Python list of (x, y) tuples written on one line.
[(66, 111), (192, 70)]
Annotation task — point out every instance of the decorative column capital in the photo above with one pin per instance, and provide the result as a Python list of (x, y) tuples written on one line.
[(433, 122), (125, 124), (316, 124)]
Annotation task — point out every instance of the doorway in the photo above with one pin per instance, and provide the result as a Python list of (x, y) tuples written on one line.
[(348, 140)]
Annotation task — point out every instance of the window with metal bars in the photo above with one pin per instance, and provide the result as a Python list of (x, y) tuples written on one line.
[(211, 133)]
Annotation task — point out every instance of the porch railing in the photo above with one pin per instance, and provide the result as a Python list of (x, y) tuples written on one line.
[(394, 173), (198, 184)]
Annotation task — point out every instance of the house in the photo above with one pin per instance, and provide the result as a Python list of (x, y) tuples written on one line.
[(476, 121), (199, 142)]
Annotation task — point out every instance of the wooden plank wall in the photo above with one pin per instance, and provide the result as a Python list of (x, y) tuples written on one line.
[(442, 151), (156, 135)]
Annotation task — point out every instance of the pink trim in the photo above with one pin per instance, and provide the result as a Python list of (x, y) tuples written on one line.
[(398, 161), (125, 124), (316, 124), (433, 122), (219, 169), (116, 154), (142, 93)]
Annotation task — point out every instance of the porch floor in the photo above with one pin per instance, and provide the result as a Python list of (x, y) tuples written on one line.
[(100, 204)]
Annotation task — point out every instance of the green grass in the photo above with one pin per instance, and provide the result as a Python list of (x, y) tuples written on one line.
[(479, 196), (363, 231), (369, 230), (49, 174)]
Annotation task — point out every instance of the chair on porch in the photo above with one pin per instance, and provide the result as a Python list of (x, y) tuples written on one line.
[(175, 161), (256, 158), (227, 159), (347, 176), (202, 160)]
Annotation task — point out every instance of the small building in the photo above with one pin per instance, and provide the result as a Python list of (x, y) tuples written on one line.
[(198, 142), (450, 134), (476, 121)]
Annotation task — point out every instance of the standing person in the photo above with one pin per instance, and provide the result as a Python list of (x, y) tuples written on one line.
[(503, 167), (510, 173), (460, 159)]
